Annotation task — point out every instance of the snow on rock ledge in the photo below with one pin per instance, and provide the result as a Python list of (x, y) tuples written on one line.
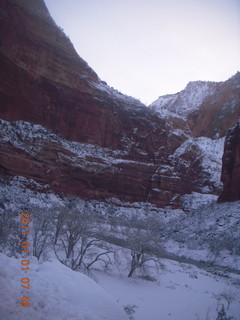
[(209, 152), (57, 293)]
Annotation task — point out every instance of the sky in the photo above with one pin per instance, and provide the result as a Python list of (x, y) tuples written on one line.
[(149, 48)]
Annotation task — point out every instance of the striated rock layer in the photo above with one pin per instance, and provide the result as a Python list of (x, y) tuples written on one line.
[(93, 172), (231, 166), (51, 98)]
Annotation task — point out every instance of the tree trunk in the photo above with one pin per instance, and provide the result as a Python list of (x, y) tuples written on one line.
[(131, 272)]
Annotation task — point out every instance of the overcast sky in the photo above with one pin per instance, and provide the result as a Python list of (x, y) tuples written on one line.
[(148, 48)]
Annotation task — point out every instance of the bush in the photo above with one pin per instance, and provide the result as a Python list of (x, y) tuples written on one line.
[(10, 231)]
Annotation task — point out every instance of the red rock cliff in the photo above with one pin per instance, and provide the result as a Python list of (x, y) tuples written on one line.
[(44, 81), (218, 112), (231, 166)]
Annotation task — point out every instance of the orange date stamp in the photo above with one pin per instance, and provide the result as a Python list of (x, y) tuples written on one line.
[(25, 263)]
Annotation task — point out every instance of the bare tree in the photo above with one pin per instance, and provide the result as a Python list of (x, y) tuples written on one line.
[(77, 241), (229, 296), (42, 229), (140, 240)]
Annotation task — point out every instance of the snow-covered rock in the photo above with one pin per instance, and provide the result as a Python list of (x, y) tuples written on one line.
[(208, 151), (186, 101)]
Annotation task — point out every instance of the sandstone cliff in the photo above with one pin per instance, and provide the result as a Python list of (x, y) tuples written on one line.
[(231, 166)]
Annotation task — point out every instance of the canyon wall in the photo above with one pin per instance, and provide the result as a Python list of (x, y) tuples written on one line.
[(50, 98)]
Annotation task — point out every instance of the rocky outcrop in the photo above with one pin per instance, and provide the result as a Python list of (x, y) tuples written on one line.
[(231, 166)]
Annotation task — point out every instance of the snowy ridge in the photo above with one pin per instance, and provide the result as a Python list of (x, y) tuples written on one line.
[(117, 96), (186, 101)]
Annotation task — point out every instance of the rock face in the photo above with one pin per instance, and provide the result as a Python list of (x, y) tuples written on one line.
[(93, 172), (44, 81), (231, 166), (218, 112), (64, 127), (209, 108)]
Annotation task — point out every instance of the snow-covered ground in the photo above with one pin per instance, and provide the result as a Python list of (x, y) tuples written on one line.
[(56, 293), (179, 292)]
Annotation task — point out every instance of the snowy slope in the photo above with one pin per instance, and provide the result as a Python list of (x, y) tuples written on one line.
[(186, 101), (180, 292), (56, 293)]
